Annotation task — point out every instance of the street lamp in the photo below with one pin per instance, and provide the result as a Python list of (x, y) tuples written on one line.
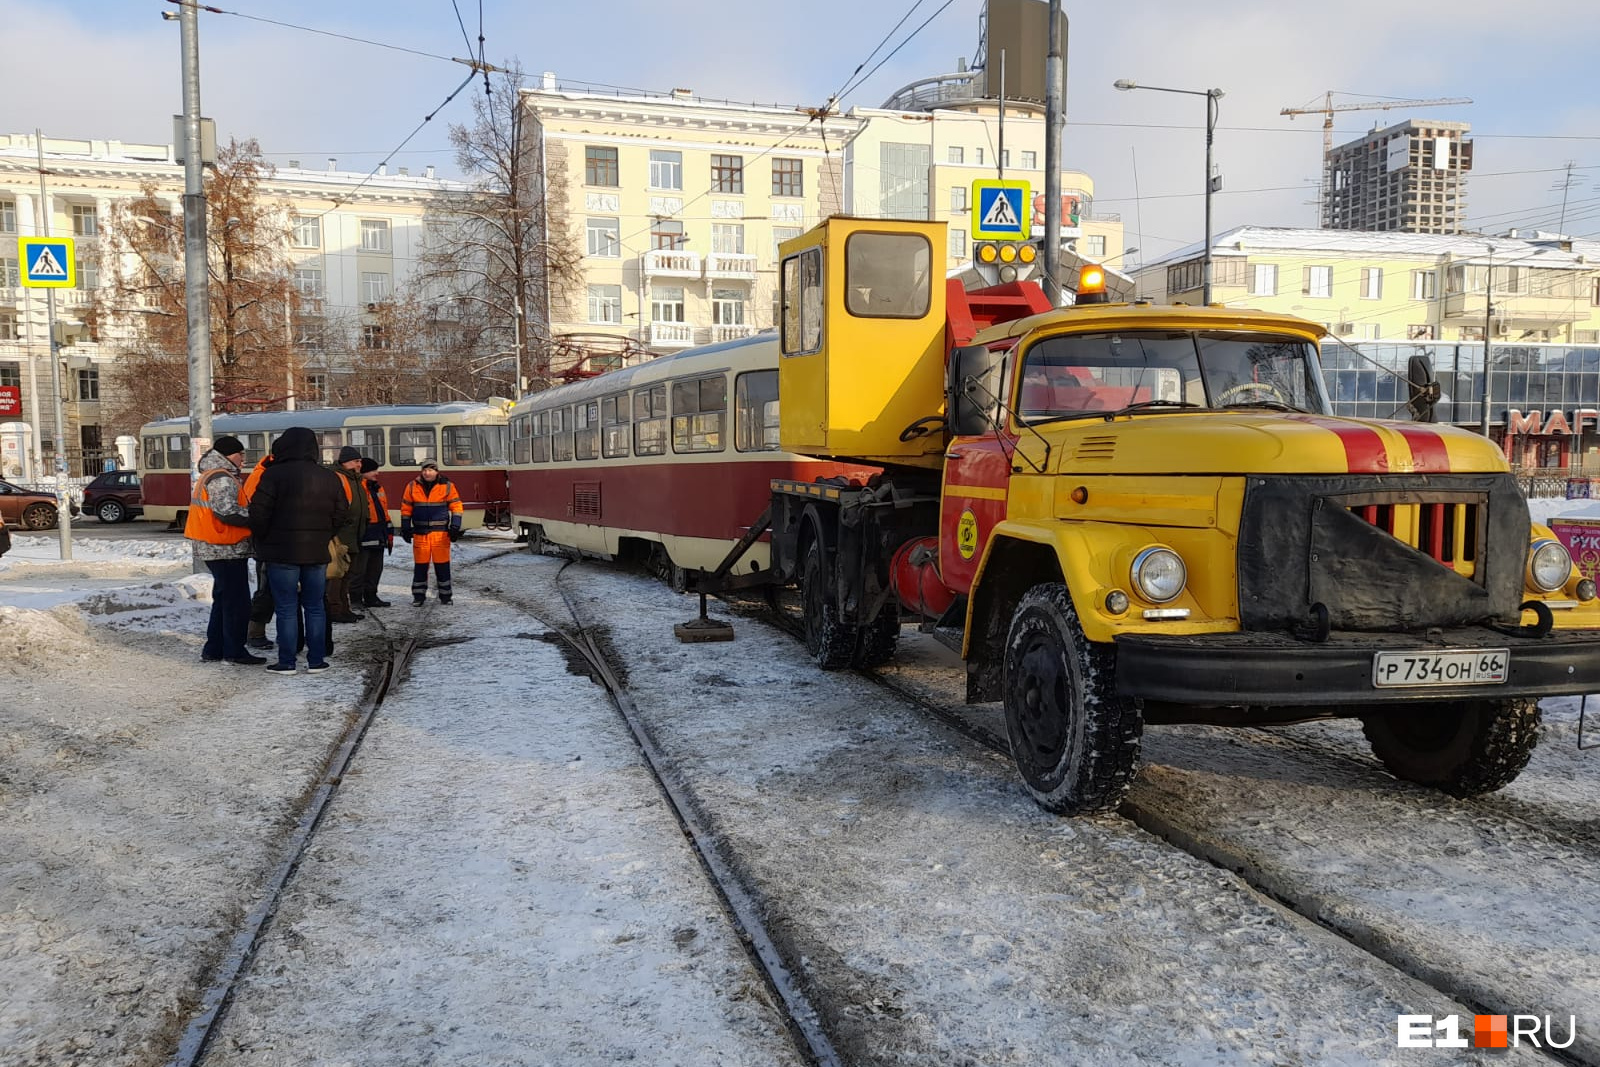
[(1213, 183)]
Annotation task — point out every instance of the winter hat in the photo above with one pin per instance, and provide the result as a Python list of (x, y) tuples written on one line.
[(227, 445), (425, 464), (368, 464), (348, 453)]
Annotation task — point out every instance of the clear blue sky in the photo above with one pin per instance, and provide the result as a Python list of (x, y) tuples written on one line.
[(109, 69)]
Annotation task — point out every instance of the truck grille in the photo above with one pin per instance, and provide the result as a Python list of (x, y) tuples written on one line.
[(1447, 533)]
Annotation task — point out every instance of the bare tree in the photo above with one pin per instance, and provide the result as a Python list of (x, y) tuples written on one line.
[(494, 251), (252, 295)]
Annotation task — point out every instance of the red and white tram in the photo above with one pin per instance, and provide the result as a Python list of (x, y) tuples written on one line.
[(468, 440), (666, 462)]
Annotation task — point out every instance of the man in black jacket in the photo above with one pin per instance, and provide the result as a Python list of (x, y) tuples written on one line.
[(293, 515)]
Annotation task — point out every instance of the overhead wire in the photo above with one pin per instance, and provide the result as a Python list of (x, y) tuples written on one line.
[(858, 82), (909, 12)]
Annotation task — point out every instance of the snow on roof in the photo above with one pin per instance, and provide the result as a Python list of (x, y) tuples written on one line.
[(1466, 248)]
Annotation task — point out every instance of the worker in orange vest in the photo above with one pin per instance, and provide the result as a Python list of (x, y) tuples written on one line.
[(220, 528), (430, 519), (261, 608), (377, 537)]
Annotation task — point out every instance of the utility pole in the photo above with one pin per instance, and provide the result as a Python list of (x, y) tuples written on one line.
[(1488, 317), (1055, 119), (1000, 154), (196, 274), (63, 498)]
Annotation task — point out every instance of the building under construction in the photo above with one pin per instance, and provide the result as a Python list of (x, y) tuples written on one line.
[(1409, 177)]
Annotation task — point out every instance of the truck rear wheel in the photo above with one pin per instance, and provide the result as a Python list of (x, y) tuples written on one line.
[(1074, 739), (831, 642), (880, 637), (1464, 749)]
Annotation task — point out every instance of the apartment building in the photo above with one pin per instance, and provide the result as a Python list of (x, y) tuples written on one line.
[(1409, 177), (353, 240)]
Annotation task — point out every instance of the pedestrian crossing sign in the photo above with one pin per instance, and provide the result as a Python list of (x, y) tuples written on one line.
[(47, 262), (997, 210)]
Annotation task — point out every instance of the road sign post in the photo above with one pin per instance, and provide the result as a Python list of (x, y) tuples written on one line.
[(1001, 210), (49, 263)]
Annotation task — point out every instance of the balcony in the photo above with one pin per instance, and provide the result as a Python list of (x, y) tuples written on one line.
[(670, 263), (671, 335), (732, 333), (10, 294), (731, 265), (1517, 308)]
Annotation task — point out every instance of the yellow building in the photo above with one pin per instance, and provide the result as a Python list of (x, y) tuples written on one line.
[(1367, 286), (352, 240)]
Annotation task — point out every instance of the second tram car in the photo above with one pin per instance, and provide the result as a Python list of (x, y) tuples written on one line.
[(467, 439), (665, 462)]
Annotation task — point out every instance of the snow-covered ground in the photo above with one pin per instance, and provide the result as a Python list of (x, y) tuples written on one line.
[(498, 881)]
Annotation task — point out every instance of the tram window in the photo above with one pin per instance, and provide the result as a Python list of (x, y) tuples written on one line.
[(410, 445), (458, 446), (255, 446), (887, 275), (522, 439), (614, 420), (155, 458), (561, 435), (650, 421), (490, 443), (329, 442), (802, 303), (756, 411), (698, 408), (541, 437), (368, 440), (177, 451), (587, 434)]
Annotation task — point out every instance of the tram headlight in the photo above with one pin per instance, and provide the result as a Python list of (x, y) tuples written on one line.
[(1159, 574), (1549, 566)]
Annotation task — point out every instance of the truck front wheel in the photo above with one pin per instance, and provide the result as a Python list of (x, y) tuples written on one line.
[(1464, 749), (1074, 739)]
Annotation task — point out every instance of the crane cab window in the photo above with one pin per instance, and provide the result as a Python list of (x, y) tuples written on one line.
[(802, 303), (698, 409), (888, 275)]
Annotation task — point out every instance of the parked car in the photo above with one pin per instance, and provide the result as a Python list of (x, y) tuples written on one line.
[(26, 508), (113, 496)]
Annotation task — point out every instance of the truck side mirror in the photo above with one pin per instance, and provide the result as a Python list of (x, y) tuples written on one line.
[(1424, 389), (972, 389)]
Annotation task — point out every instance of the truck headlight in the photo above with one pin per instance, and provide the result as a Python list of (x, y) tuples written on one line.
[(1549, 566), (1159, 574)]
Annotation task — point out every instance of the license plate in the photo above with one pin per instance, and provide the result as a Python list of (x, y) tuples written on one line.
[(1459, 666)]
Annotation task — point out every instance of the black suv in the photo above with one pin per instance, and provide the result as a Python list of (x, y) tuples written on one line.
[(113, 496)]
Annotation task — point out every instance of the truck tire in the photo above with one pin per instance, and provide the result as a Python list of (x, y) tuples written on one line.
[(1075, 741), (1464, 749), (831, 642), (880, 637)]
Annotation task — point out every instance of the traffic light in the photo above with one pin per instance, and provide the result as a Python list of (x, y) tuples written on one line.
[(1006, 261)]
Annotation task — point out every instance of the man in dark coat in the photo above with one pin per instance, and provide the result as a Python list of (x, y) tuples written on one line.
[(294, 512), (348, 467), (377, 537)]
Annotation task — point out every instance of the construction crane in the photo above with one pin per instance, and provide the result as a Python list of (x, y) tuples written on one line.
[(1329, 107)]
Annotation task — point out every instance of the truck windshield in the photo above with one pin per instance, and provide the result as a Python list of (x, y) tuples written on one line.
[(1096, 373)]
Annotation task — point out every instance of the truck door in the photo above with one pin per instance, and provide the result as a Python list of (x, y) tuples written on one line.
[(977, 476)]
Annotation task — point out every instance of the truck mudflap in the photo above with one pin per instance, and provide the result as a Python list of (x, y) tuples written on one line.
[(1355, 669)]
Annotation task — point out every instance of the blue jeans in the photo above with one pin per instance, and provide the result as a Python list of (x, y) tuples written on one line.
[(297, 589), (230, 608)]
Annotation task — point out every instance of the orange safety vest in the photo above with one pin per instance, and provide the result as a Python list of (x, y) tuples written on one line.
[(250, 483), (202, 524), (376, 505)]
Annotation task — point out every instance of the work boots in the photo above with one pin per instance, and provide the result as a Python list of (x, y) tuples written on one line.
[(338, 600), (257, 636)]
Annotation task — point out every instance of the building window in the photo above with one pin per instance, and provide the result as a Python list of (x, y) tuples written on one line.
[(958, 243), (666, 303), (9, 276), (727, 307), (89, 384), (957, 154), (1317, 281), (727, 174), (374, 287), (666, 169), (316, 389), (902, 180), (1263, 279), (958, 200), (1594, 294), (977, 156), (307, 231), (84, 221), (788, 177), (8, 331), (605, 304), (666, 234), (600, 166), (1181, 277), (781, 234), (605, 238), (308, 280), (10, 373), (1094, 244), (1579, 337), (1005, 158), (88, 273), (1228, 271), (727, 237), (374, 235), (1371, 283), (1424, 285), (8, 216), (698, 408), (1420, 333), (1030, 160), (373, 337)]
